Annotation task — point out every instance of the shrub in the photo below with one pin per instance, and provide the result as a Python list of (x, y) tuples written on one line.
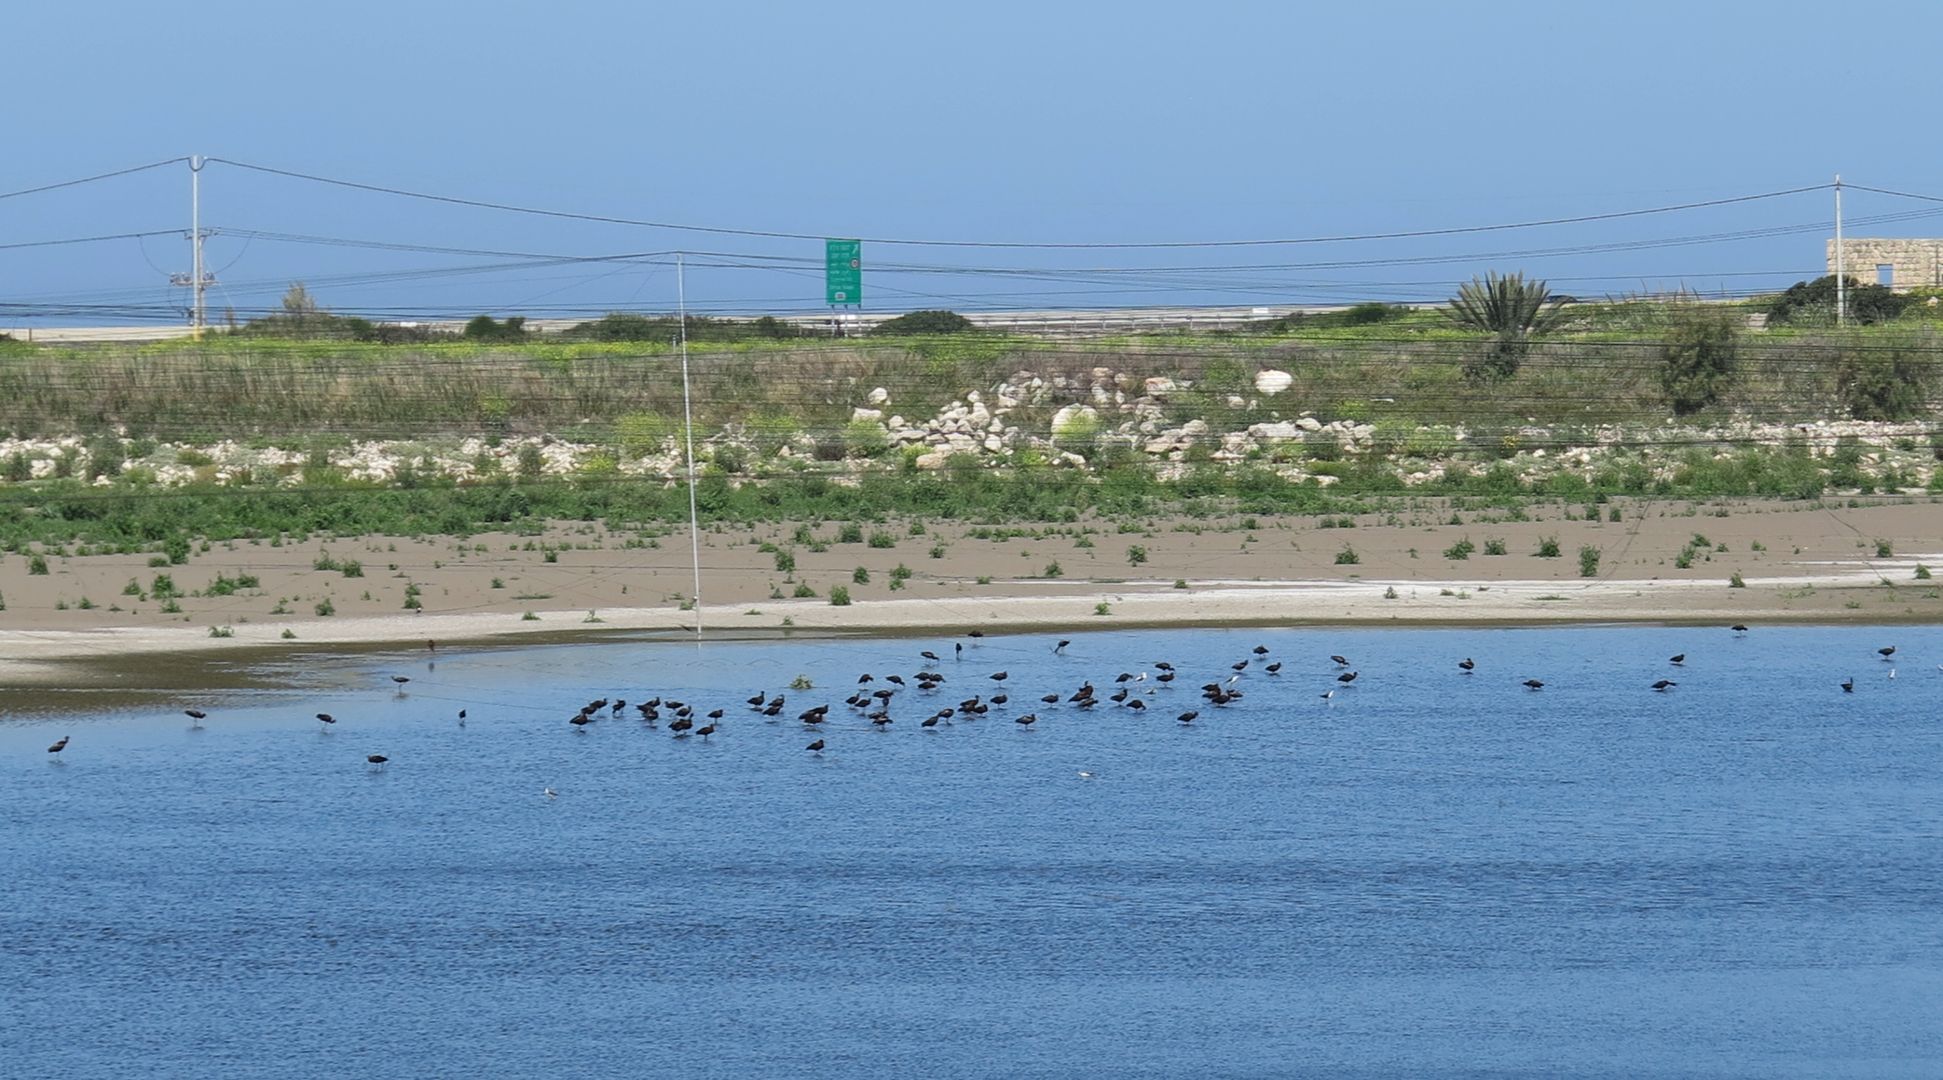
[(37, 565), (1813, 303), (325, 607), (804, 592), (1494, 545), (1697, 362), (923, 322), (1885, 549), (1547, 547), (1136, 554), (1053, 570), (1460, 550), (850, 533), (1886, 381), (1588, 561), (1347, 556), (865, 439), (839, 596), (882, 539), (861, 575), (1734, 581), (487, 328)]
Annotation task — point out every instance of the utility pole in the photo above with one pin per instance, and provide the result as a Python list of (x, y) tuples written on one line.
[(688, 424), (197, 279), (1841, 266)]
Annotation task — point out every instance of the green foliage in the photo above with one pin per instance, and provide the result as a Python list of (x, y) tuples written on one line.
[(37, 565), (325, 607), (839, 596), (1547, 547), (918, 323), (1347, 556), (1699, 356), (860, 576), (1813, 303), (804, 592), (1885, 549), (1512, 310), (622, 327), (1494, 545), (1460, 550), (1588, 561), (1136, 554), (1888, 380), (487, 328), (882, 539), (865, 439), (850, 533)]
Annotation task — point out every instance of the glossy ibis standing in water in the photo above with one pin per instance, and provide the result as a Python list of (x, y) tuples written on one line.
[(59, 746)]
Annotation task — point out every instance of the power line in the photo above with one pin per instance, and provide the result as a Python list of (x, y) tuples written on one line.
[(90, 239), (92, 179), (1146, 245)]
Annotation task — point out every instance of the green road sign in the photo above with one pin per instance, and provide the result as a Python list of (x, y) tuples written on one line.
[(843, 272)]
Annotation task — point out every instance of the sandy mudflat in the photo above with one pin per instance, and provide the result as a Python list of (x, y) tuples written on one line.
[(1811, 564)]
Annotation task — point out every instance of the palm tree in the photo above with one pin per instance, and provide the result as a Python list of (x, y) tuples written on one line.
[(1510, 308)]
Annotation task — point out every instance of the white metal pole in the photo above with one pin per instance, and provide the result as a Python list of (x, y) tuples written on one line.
[(688, 423), (195, 241), (1841, 266)]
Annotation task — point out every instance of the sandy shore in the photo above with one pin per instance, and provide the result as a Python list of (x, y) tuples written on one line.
[(87, 614)]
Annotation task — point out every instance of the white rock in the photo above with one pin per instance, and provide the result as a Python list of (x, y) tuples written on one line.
[(866, 414), (1279, 431), (1309, 423), (1234, 401), (1195, 429), (1072, 416), (1158, 385), (879, 396), (1271, 382)]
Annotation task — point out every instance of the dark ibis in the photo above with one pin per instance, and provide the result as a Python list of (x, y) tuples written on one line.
[(815, 747), (1467, 665), (1664, 685), (59, 746), (1534, 684)]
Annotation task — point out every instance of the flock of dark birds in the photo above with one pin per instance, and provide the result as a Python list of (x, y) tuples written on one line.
[(873, 697)]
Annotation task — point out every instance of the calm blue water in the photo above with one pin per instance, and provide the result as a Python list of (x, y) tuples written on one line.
[(1429, 875)]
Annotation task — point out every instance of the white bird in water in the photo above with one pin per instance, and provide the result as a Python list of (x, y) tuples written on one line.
[(550, 793), (1892, 673), (1084, 775)]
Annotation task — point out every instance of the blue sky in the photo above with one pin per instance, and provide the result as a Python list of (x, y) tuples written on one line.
[(998, 121)]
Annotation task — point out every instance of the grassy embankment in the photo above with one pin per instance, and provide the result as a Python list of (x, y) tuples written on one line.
[(1600, 381)]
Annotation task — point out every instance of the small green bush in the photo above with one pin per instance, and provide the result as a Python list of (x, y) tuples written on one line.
[(1547, 547), (1460, 550), (839, 596), (1588, 561), (1347, 556)]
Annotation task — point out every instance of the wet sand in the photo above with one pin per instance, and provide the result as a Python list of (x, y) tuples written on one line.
[(91, 618)]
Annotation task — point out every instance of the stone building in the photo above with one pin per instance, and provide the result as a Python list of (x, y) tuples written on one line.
[(1902, 265)]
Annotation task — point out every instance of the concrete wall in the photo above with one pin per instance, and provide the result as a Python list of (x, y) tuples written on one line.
[(1918, 263)]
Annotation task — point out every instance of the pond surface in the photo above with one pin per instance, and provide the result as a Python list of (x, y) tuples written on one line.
[(1428, 874)]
